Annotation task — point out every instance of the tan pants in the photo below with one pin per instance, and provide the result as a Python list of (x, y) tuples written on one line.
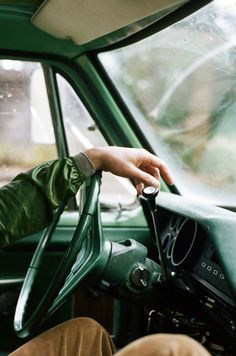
[(85, 337)]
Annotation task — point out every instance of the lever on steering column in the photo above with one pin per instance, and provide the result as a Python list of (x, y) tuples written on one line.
[(150, 193)]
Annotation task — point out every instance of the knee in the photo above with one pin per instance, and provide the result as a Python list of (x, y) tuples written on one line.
[(85, 323), (164, 345), (84, 326)]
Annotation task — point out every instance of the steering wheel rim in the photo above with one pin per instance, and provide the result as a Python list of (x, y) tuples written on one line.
[(30, 313)]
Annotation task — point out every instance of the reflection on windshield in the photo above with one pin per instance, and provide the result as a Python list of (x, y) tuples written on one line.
[(180, 85)]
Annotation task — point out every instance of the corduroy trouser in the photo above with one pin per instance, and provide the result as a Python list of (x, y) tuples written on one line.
[(85, 337)]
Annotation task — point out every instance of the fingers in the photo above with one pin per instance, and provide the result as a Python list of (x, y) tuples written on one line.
[(166, 173), (162, 167), (139, 164), (153, 171), (149, 172), (143, 177), (152, 175), (139, 187)]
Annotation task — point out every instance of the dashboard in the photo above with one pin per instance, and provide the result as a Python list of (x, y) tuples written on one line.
[(199, 244), (187, 247)]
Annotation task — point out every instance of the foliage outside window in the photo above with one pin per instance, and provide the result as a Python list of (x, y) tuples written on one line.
[(180, 86), (26, 131)]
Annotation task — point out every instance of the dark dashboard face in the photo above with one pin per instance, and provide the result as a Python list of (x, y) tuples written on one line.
[(197, 255), (189, 251)]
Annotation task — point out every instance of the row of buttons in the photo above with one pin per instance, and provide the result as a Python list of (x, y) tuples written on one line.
[(213, 270)]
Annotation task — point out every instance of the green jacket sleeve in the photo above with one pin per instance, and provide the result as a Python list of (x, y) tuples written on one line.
[(27, 203)]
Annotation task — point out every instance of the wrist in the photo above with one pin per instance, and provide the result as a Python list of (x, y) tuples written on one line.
[(95, 156), (84, 164)]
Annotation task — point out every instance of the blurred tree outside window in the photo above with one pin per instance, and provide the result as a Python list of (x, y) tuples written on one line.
[(180, 85), (26, 132)]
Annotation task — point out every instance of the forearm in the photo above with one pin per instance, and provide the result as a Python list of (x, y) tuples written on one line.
[(27, 203)]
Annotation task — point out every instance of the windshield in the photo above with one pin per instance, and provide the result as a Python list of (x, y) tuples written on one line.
[(180, 85)]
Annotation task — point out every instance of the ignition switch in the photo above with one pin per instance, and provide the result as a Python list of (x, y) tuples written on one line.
[(140, 276)]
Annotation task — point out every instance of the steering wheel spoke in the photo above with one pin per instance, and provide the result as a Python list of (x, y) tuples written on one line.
[(92, 259), (87, 253)]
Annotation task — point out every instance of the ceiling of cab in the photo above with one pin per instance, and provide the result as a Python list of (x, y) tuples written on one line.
[(21, 2), (84, 21)]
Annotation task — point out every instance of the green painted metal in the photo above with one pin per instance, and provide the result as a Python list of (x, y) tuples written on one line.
[(99, 98), (56, 111), (84, 77), (22, 36), (63, 235), (129, 269), (93, 252), (19, 36)]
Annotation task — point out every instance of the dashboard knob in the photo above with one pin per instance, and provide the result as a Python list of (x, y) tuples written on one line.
[(150, 193)]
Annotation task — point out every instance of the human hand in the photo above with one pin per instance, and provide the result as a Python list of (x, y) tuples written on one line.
[(134, 163)]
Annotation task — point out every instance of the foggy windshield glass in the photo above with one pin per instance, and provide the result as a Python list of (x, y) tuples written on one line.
[(180, 86)]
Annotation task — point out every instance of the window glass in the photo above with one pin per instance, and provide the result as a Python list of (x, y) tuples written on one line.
[(82, 133), (26, 132), (180, 86)]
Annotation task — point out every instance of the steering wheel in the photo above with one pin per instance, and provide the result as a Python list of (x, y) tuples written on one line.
[(88, 251)]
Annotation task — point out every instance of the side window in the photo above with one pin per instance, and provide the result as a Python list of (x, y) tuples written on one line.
[(26, 131), (82, 133)]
